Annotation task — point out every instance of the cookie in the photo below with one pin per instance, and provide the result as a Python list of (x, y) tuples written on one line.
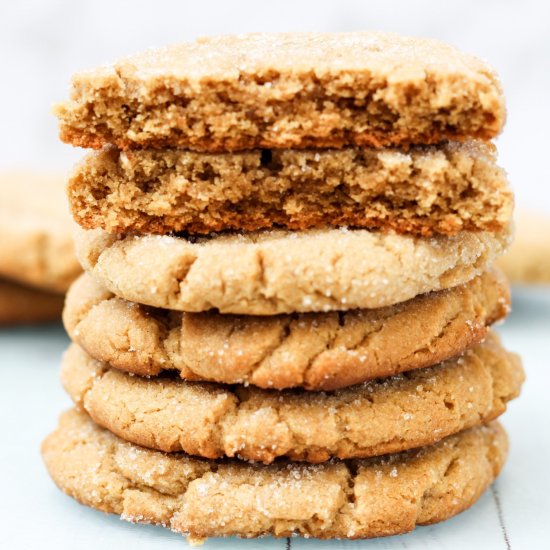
[(231, 93), (317, 351), (36, 245), (441, 189), (383, 416), (25, 305), (273, 272), (340, 499), (528, 260)]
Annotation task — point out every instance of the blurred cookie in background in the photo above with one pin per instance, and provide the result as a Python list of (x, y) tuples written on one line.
[(25, 305), (36, 245), (37, 261), (528, 259)]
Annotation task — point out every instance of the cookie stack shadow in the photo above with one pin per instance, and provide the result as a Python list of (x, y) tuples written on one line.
[(285, 322)]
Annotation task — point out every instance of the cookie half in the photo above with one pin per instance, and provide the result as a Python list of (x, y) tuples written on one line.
[(25, 305), (383, 416), (36, 241), (271, 272), (232, 93), (441, 189), (317, 351), (340, 499)]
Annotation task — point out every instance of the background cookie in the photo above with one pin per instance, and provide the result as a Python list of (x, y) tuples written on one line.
[(36, 241), (285, 90), (528, 260), (424, 190), (383, 416), (318, 351), (352, 499), (272, 272), (22, 305)]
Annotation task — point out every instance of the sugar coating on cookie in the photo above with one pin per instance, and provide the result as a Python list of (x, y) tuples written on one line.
[(271, 272), (298, 90), (340, 499), (317, 351), (425, 190), (383, 416), (36, 244)]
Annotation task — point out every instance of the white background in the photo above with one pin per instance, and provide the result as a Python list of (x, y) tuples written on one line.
[(43, 42)]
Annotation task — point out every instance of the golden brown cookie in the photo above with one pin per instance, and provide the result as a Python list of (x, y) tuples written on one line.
[(25, 305), (340, 499), (441, 189), (528, 260), (271, 272), (36, 241), (384, 416), (288, 90), (317, 351)]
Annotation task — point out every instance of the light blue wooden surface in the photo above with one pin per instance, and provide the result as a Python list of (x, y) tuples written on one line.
[(35, 514)]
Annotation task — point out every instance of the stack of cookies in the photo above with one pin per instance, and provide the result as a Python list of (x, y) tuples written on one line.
[(37, 261), (284, 325)]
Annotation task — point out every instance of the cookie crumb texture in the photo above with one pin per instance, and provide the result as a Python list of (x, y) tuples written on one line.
[(285, 90), (271, 272), (316, 351), (384, 416), (426, 190), (200, 498)]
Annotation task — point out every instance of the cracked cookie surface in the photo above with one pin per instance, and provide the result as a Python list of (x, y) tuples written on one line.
[(340, 499), (441, 189), (317, 351), (36, 244), (271, 272), (386, 415), (282, 90)]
